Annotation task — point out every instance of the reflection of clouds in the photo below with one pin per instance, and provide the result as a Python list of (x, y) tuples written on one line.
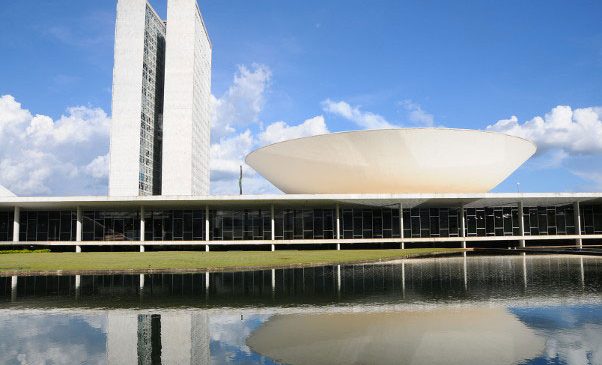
[(582, 345), (232, 331), (52, 339), (228, 337), (573, 334)]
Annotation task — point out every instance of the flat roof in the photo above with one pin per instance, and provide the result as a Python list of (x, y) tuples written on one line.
[(377, 200)]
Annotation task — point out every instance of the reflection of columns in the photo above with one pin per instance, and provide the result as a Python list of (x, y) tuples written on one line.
[(78, 229), (582, 271), (142, 228), (78, 282), (463, 226), (524, 255), (200, 339), (339, 281), (576, 208), (338, 226), (465, 267), (403, 279), (273, 283), (273, 226), (207, 227), (141, 281), (521, 224), (402, 245), (206, 284), (13, 288), (16, 224)]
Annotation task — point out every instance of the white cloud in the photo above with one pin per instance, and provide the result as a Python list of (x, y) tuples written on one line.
[(416, 114), (99, 167), (41, 156), (229, 154), (363, 119), (575, 131), (242, 102), (280, 131)]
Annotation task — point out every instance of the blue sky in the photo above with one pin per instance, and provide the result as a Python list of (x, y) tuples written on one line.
[(461, 64)]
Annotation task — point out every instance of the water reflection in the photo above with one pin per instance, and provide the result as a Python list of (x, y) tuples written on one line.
[(469, 310)]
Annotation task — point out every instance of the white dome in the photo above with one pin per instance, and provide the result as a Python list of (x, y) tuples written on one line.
[(417, 160), (5, 192)]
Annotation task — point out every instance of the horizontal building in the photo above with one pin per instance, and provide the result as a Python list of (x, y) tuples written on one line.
[(451, 220)]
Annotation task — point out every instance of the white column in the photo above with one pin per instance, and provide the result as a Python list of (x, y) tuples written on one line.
[(273, 227), (401, 225), (16, 225), (142, 228), (521, 224), (338, 226), (78, 229), (462, 226), (207, 227), (578, 241)]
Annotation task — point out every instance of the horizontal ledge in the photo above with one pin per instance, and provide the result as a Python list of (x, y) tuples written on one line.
[(301, 241)]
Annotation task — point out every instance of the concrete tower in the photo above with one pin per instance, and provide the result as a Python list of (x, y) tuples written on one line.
[(138, 79), (186, 120)]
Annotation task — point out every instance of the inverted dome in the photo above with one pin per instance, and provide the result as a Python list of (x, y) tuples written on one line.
[(417, 160)]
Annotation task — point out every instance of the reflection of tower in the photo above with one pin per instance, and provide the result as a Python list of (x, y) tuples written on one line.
[(169, 338), (149, 339), (200, 339), (121, 338)]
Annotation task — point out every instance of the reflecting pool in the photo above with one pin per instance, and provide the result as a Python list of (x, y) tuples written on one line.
[(443, 310)]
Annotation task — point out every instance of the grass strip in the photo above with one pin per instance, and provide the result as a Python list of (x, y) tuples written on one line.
[(197, 261)]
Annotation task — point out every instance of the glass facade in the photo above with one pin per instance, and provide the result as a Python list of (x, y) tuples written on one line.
[(370, 223), (305, 223), (98, 225), (174, 225), (431, 222), (549, 220), (47, 225), (499, 221), (297, 223), (240, 224), (151, 123), (6, 225), (591, 219)]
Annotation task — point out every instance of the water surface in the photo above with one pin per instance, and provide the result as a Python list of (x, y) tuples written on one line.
[(465, 310)]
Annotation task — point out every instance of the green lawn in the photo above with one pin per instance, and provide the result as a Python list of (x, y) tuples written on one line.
[(190, 260)]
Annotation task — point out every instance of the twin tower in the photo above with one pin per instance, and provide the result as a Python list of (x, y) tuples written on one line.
[(160, 132)]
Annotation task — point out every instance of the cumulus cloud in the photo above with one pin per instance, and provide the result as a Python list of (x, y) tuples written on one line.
[(241, 104), (39, 155), (354, 114), (237, 129), (416, 114), (280, 131), (574, 131)]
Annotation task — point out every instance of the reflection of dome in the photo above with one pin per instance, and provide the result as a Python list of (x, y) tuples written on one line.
[(5, 192), (429, 160), (467, 335)]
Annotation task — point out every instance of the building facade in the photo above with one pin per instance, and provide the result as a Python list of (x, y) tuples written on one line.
[(443, 219), (161, 98), (138, 85), (186, 123)]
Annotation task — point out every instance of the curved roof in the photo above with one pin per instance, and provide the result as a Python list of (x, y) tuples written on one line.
[(5, 192), (414, 160)]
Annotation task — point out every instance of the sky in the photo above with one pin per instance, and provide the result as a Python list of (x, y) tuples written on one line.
[(284, 69)]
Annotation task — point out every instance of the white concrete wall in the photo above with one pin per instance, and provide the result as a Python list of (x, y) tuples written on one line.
[(186, 117), (127, 99)]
